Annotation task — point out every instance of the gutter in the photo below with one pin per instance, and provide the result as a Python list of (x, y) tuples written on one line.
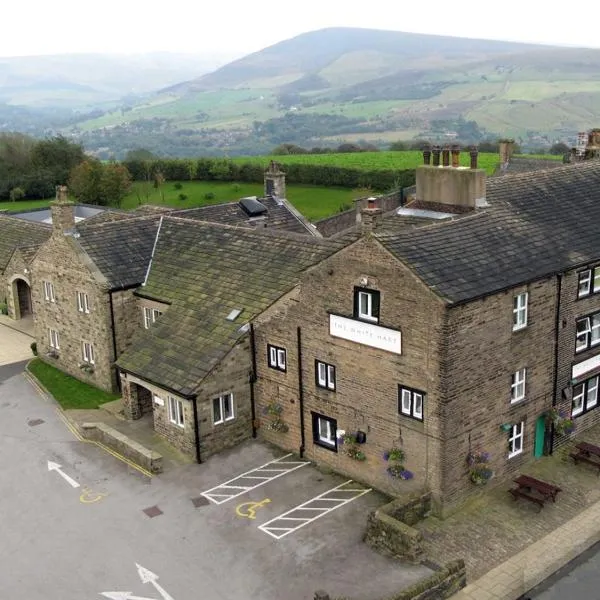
[(196, 428), (252, 380), (301, 395), (559, 277)]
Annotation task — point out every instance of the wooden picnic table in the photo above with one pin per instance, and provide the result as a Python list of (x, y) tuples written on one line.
[(586, 452), (534, 490)]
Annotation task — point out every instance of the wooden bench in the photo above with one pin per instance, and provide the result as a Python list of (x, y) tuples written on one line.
[(534, 490), (587, 453)]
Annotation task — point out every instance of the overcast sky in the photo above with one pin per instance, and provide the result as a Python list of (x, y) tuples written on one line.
[(236, 27)]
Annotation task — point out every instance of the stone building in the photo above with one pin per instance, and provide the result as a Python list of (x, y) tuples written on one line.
[(451, 341)]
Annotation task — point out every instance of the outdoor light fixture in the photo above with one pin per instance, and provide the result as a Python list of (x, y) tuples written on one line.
[(506, 426)]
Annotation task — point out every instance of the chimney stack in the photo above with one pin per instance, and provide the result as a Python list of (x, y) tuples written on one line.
[(506, 148), (370, 216), (474, 153), (436, 156), (62, 211), (455, 156), (427, 155), (446, 156)]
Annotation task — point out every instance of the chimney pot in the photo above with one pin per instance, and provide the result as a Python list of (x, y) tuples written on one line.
[(427, 155), (446, 156), (474, 154), (455, 156), (370, 202), (436, 156)]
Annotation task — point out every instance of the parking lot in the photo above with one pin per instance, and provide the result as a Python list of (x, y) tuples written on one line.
[(249, 523)]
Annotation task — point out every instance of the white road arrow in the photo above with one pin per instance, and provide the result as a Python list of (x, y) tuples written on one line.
[(149, 577), (122, 596), (52, 466)]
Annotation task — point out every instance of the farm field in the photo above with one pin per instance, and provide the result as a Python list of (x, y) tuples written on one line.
[(313, 202), (368, 161)]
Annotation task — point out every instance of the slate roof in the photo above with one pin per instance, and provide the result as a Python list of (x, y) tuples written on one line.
[(204, 271), (16, 232), (120, 249), (523, 164), (278, 216), (537, 224)]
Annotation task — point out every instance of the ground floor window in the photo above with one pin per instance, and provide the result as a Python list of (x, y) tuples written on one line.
[(515, 439), (54, 341), (585, 396), (176, 415), (87, 353), (324, 430), (223, 409)]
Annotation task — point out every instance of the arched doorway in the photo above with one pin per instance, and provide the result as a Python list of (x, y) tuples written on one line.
[(22, 299)]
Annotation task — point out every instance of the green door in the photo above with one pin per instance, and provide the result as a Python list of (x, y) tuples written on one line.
[(540, 432)]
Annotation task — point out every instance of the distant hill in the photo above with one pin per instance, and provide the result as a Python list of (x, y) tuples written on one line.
[(325, 87), (89, 79)]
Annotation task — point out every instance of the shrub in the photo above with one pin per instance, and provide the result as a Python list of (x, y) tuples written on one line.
[(236, 187), (178, 185), (183, 197), (33, 347), (209, 196)]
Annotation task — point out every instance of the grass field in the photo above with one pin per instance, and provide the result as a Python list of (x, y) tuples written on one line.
[(369, 161), (313, 202), (68, 391)]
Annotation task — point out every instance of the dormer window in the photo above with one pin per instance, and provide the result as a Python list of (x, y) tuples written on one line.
[(366, 305)]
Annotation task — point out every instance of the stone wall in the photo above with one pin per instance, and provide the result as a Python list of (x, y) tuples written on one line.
[(125, 446), (60, 262), (482, 352), (442, 584), (231, 375), (367, 378), (572, 308), (17, 268), (127, 318)]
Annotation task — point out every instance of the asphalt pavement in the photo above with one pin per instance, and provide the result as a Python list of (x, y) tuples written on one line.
[(78, 524), (579, 580)]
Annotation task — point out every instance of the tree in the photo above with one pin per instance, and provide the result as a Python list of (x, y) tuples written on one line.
[(398, 146), (140, 154), (85, 181), (17, 193), (115, 183), (559, 148), (56, 157)]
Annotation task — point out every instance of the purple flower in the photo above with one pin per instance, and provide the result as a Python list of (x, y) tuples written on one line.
[(406, 474), (386, 455)]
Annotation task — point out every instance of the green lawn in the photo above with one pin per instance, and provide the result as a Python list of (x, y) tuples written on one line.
[(68, 391), (313, 202)]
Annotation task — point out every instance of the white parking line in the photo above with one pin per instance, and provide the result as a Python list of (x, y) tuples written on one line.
[(280, 526), (221, 494)]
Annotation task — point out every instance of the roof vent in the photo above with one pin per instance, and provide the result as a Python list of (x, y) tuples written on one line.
[(234, 314), (252, 207)]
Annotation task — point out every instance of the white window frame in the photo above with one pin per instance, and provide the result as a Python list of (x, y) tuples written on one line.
[(584, 283), (49, 292), (83, 302), (520, 309), (518, 385), (411, 402), (585, 396), (368, 314), (220, 401), (325, 434), (596, 280), (176, 412), (54, 338), (587, 332), (515, 439), (150, 316), (277, 357), (325, 375), (87, 353)]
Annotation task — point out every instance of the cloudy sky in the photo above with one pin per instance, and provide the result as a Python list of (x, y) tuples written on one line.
[(236, 27)]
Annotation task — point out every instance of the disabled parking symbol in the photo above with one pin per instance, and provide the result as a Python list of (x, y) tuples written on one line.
[(248, 509)]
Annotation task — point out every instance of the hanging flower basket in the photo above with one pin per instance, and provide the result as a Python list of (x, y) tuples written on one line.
[(394, 455), (480, 475), (278, 425), (356, 454), (399, 472), (563, 423)]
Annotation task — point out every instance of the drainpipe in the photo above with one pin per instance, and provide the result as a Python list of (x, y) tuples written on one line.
[(253, 379), (114, 334), (301, 394), (196, 428), (559, 277)]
